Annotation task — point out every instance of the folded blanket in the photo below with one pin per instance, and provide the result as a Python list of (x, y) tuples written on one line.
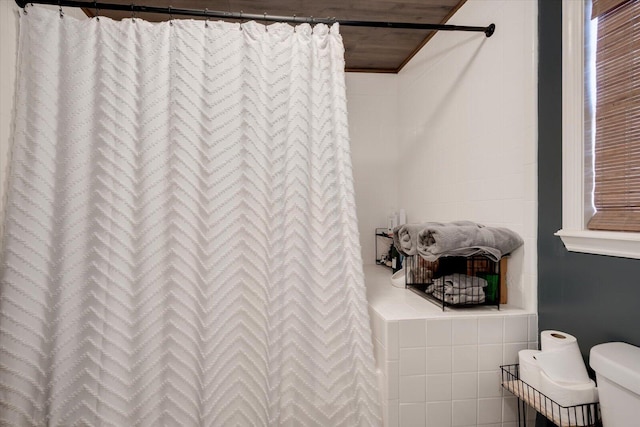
[(460, 299), (405, 237), (460, 281), (451, 239), (450, 290)]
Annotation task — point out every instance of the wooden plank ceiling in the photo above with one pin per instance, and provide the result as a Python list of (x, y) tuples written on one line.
[(380, 50)]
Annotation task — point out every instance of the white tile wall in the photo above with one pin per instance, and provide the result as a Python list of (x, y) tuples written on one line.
[(412, 415), (468, 127), (413, 333), (489, 410), (439, 413), (465, 331), (372, 102), (439, 387), (489, 356), (412, 361), (517, 329), (465, 385), (464, 412), (439, 360), (442, 383), (439, 332), (465, 358), (490, 330), (413, 388)]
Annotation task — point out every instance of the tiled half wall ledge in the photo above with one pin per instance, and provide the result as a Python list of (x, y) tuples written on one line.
[(440, 369)]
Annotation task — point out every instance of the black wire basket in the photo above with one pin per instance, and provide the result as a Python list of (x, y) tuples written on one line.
[(456, 281), (585, 415)]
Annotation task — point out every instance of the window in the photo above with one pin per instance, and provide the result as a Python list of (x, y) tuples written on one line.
[(583, 132), (617, 116)]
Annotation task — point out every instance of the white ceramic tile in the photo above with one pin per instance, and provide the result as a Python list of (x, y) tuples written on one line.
[(412, 333), (516, 329), (439, 414), (510, 424), (509, 409), (382, 381), (465, 358), (464, 331), (392, 340), (438, 332), (392, 377), (489, 410), (385, 412), (464, 412), (489, 384), (464, 386), (438, 387), (378, 353), (490, 330), (392, 414), (489, 357), (412, 361), (412, 415), (510, 352), (377, 326), (412, 388), (438, 360), (533, 328)]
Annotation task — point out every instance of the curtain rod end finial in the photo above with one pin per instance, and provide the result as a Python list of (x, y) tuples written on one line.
[(490, 30)]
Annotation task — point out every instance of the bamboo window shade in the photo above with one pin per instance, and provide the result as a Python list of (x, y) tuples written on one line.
[(617, 128)]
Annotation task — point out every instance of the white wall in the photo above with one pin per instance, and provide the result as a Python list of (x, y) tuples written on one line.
[(467, 130), (372, 103)]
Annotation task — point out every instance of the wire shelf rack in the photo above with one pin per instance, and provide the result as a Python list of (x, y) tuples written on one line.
[(435, 280), (585, 415)]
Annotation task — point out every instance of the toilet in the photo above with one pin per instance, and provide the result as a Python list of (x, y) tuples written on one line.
[(617, 367)]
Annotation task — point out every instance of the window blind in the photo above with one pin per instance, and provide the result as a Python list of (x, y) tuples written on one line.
[(617, 133), (600, 7)]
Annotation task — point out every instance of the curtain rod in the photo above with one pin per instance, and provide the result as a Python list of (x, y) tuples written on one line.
[(134, 8)]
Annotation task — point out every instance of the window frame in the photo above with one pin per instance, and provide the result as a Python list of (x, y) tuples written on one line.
[(574, 233)]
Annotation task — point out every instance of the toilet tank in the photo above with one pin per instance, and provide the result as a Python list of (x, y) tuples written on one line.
[(617, 367)]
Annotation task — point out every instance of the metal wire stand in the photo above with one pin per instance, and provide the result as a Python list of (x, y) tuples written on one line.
[(586, 415)]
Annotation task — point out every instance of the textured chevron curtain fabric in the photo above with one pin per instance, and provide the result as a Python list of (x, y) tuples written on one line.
[(181, 244)]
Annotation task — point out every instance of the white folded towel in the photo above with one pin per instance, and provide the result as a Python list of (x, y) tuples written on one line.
[(460, 281), (460, 299)]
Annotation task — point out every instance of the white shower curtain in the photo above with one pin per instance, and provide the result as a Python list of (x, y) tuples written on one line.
[(181, 245)]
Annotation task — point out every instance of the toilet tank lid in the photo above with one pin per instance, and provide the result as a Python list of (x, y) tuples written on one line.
[(619, 362)]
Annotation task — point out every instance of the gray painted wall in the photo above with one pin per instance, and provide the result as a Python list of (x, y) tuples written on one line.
[(593, 297)]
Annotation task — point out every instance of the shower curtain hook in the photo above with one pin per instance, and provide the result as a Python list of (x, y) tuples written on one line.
[(133, 14), (264, 16), (240, 20), (170, 16), (95, 4), (60, 9), (206, 17), (294, 22)]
